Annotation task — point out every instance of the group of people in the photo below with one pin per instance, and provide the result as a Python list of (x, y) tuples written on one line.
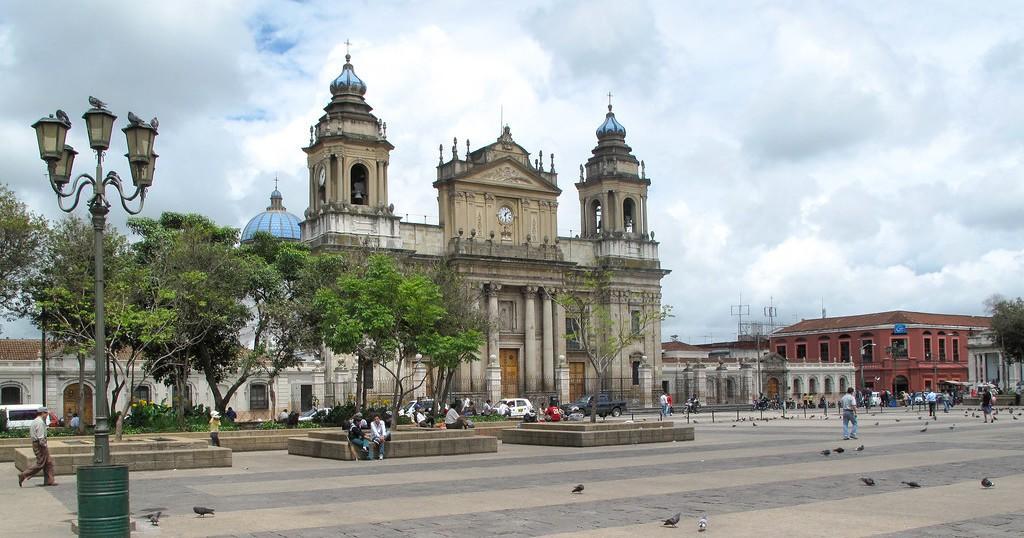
[(368, 438)]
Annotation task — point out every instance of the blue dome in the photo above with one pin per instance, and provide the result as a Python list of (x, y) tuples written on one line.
[(610, 125), (276, 221), (347, 81)]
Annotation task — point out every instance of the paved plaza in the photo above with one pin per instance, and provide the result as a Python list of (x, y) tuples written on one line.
[(764, 480)]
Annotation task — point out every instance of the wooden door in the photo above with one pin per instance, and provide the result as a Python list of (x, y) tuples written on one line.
[(773, 387), (509, 373), (71, 403), (577, 380)]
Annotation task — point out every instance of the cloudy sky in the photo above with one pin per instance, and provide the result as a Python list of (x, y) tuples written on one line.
[(864, 156)]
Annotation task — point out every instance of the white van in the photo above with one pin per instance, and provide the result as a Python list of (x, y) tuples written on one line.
[(22, 415)]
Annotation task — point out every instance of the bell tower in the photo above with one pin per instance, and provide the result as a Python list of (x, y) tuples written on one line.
[(613, 186), (347, 158)]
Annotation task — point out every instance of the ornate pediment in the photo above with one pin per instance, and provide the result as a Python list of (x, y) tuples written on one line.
[(508, 173)]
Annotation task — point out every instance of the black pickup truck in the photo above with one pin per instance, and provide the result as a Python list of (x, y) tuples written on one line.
[(605, 406)]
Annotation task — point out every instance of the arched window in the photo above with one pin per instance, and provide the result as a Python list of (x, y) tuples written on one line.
[(595, 209), (628, 214), (842, 384), (798, 386), (142, 392), (829, 388), (812, 385), (359, 180), (259, 397), (10, 395)]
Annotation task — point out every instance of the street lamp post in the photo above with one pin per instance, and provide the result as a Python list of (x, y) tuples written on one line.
[(51, 134), (863, 382)]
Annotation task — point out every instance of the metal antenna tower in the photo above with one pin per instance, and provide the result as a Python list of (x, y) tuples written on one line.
[(739, 310)]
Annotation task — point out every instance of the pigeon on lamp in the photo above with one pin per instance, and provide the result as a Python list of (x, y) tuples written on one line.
[(96, 103), (911, 484), (63, 116), (702, 524), (867, 481), (986, 483), (133, 119), (154, 518), (578, 488), (154, 123), (860, 448), (202, 510), (826, 452), (672, 521)]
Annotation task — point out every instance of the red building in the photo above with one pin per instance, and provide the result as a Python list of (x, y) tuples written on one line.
[(896, 350)]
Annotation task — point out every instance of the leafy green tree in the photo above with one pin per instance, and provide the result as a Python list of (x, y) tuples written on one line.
[(22, 241), (458, 335), (382, 315), (1008, 326), (601, 335)]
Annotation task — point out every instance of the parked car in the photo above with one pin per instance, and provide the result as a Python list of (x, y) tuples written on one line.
[(425, 405), (22, 415), (605, 405), (307, 416), (519, 406)]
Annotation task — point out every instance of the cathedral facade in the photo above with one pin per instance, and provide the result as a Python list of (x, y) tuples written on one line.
[(497, 227)]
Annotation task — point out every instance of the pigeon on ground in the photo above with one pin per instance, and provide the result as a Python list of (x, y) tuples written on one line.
[(733, 425), (754, 424), (671, 522), (911, 484), (154, 518), (867, 481), (202, 510), (1015, 417), (839, 450), (897, 420), (812, 416), (96, 103), (924, 429), (826, 452), (876, 424), (702, 524), (986, 483), (63, 116), (952, 426), (860, 448), (578, 488)]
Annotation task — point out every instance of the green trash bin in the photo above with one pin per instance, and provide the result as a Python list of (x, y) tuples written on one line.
[(103, 501)]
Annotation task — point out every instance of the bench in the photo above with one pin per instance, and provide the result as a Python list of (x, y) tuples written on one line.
[(403, 444)]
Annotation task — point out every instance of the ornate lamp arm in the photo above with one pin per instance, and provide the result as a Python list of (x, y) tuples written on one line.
[(114, 180), (81, 182)]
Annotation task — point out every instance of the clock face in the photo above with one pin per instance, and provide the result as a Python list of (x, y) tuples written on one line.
[(323, 176), (505, 215)]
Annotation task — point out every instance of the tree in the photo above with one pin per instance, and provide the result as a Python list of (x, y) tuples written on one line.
[(22, 241), (458, 334), (1008, 326), (195, 261), (601, 333), (382, 315)]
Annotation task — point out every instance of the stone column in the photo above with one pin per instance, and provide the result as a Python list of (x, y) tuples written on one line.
[(559, 332), (562, 379), (492, 317), (477, 367), (748, 381), (700, 382), (530, 364), (548, 353), (646, 378), (493, 379), (318, 386), (419, 380)]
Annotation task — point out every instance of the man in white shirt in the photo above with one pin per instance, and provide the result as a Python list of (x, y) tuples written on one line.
[(848, 404), (663, 400), (378, 436), (503, 409), (37, 431)]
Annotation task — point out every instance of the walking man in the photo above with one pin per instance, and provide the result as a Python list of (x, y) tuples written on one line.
[(848, 404), (663, 400), (931, 397), (44, 462)]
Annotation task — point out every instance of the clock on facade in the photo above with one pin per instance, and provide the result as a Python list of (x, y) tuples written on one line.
[(505, 215), (323, 176)]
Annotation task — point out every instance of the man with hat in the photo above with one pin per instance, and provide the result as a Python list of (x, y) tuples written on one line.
[(37, 431), (214, 428)]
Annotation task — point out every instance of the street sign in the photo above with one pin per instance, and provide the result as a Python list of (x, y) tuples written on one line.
[(899, 328)]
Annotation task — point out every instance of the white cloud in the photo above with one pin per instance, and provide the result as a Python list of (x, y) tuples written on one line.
[(866, 155)]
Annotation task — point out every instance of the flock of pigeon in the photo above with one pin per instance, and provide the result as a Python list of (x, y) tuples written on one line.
[(201, 511), (702, 523)]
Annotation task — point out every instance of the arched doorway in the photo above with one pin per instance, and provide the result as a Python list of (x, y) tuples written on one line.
[(71, 402), (900, 384), (773, 387)]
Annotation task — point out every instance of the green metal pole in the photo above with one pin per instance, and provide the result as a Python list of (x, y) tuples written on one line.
[(98, 208), (42, 348)]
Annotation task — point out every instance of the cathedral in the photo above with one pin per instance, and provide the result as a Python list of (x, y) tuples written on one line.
[(497, 227)]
